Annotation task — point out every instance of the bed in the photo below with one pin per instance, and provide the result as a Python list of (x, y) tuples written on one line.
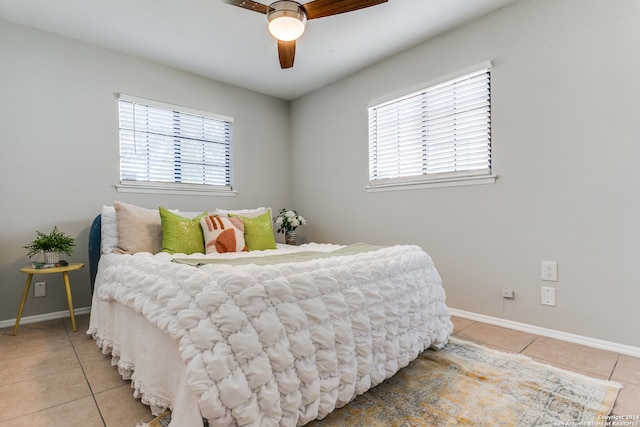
[(274, 337)]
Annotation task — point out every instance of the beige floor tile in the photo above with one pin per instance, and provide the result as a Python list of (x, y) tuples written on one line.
[(78, 413), (47, 373), (579, 358), (87, 347), (119, 408), (496, 337), (459, 323), (629, 362), (36, 394), (627, 370), (82, 324), (570, 368), (37, 364), (628, 402), (100, 373), (81, 338), (31, 340), (46, 325)]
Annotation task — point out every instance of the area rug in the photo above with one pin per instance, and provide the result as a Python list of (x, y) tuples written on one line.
[(161, 420), (467, 384)]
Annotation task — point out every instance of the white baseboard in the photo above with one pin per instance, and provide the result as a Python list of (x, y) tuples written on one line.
[(551, 333), (42, 317)]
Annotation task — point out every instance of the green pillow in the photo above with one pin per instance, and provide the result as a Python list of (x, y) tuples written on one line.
[(258, 232), (181, 235)]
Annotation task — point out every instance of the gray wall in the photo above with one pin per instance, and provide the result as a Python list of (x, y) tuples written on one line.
[(565, 146), (59, 148)]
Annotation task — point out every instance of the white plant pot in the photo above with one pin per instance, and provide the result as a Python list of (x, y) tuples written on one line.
[(51, 257)]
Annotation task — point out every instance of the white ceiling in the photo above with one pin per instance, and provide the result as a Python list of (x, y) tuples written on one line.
[(232, 45)]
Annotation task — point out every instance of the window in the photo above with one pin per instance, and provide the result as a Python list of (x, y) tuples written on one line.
[(165, 147), (437, 136)]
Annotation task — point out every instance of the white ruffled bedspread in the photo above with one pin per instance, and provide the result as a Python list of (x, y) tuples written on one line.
[(283, 344)]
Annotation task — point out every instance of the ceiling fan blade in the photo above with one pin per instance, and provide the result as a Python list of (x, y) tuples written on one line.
[(322, 8), (249, 5), (286, 53)]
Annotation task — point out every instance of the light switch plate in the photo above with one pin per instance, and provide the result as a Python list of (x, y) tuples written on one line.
[(548, 296), (40, 289)]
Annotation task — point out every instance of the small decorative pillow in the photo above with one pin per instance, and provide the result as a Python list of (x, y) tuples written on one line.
[(181, 235), (139, 229), (258, 232), (223, 234)]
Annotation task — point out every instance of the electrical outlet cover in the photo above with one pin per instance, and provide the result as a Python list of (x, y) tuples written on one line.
[(507, 293), (549, 271)]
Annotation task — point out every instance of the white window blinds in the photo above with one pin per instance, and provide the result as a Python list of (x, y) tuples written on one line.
[(161, 143), (441, 131)]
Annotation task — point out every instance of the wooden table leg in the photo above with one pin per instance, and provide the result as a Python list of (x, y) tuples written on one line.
[(67, 288), (24, 300)]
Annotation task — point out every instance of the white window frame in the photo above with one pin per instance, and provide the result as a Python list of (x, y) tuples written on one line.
[(403, 181), (168, 187)]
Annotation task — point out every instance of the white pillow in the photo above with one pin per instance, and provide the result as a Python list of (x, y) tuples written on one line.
[(108, 229), (249, 213), (187, 214)]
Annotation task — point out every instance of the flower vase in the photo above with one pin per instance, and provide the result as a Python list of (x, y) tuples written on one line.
[(290, 238), (51, 257)]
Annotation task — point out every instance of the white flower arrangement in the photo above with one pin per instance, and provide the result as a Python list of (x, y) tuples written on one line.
[(288, 220)]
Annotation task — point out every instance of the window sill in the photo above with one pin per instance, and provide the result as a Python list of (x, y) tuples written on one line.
[(434, 183), (191, 190)]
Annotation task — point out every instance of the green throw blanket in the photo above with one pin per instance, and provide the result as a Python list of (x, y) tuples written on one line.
[(354, 249)]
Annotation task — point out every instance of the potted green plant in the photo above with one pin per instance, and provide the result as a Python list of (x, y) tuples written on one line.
[(51, 245)]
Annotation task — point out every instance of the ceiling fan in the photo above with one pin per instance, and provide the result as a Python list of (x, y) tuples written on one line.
[(287, 19)]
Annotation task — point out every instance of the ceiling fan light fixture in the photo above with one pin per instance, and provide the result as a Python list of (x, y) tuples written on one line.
[(287, 20)]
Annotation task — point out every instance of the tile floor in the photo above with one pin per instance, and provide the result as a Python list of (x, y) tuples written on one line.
[(51, 376)]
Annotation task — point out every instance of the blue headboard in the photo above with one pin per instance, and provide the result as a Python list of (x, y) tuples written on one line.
[(95, 238)]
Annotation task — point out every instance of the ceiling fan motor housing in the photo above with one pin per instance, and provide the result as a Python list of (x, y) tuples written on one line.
[(287, 20)]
